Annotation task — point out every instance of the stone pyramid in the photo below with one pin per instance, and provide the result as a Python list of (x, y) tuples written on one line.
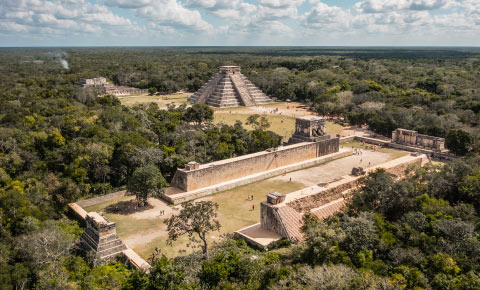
[(229, 88), (100, 236)]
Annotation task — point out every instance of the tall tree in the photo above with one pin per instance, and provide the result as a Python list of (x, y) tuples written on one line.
[(146, 181), (199, 113), (195, 220), (459, 142)]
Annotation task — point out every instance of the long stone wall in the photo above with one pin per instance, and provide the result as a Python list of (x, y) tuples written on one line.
[(100, 199), (285, 218), (234, 168), (194, 194)]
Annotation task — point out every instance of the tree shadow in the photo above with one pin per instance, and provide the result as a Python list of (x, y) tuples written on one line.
[(127, 207)]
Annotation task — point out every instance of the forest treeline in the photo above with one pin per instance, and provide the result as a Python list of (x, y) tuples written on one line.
[(60, 143)]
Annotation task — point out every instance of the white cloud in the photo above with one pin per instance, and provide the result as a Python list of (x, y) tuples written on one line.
[(171, 13), (57, 17), (280, 3), (266, 12), (129, 3), (379, 6), (323, 16)]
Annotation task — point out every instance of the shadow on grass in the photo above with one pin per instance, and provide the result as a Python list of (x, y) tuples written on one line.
[(126, 207)]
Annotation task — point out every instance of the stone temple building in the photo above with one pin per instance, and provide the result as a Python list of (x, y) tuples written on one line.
[(229, 88), (100, 236), (412, 138), (309, 129)]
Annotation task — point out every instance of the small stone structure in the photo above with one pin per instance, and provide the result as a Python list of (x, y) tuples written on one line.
[(358, 171), (309, 129), (412, 138), (229, 88), (275, 197), (101, 237), (192, 166), (93, 82), (109, 88)]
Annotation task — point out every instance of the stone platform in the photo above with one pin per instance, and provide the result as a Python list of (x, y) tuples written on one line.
[(283, 215), (176, 197), (101, 237)]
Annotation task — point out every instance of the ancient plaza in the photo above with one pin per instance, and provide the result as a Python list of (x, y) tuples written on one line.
[(314, 168), (314, 172)]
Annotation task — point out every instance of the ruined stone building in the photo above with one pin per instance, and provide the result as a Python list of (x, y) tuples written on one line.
[(100, 236), (309, 129), (229, 88), (94, 82), (412, 138), (108, 88)]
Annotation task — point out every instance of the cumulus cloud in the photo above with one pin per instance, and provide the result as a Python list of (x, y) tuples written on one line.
[(379, 6), (171, 13), (280, 3), (128, 3), (58, 17), (323, 16)]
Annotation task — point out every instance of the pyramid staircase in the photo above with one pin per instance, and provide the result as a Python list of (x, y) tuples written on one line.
[(100, 236), (229, 88)]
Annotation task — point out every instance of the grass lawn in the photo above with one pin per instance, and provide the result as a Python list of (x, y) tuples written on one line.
[(234, 213), (162, 101), (282, 125), (394, 152)]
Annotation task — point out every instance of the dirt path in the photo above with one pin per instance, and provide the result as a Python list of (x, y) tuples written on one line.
[(280, 109), (337, 168)]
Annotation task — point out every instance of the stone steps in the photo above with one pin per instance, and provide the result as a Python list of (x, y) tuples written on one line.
[(227, 89)]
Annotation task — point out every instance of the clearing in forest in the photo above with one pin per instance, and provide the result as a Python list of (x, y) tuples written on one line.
[(144, 230)]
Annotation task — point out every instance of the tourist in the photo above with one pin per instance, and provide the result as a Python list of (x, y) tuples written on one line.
[(253, 207), (290, 180)]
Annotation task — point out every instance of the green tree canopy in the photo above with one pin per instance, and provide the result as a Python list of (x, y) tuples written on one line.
[(195, 220), (146, 181), (459, 142)]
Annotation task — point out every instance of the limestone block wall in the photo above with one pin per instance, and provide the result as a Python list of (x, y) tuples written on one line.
[(330, 194), (270, 220), (410, 137), (225, 170), (100, 199), (273, 221)]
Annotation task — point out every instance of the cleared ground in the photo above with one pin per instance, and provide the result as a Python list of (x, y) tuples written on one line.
[(144, 230), (283, 125), (161, 100)]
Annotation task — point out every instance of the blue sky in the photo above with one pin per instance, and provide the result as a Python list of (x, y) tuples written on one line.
[(239, 22)]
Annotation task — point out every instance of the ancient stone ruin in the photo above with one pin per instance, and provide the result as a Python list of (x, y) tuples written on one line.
[(229, 88), (283, 214), (309, 129), (101, 237), (412, 138), (111, 89), (93, 82)]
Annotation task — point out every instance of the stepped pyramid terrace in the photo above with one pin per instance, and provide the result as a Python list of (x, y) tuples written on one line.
[(229, 88)]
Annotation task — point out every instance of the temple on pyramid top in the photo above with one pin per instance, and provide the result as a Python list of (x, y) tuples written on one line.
[(229, 88)]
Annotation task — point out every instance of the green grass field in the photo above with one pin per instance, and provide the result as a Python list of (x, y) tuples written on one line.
[(234, 213), (282, 125), (395, 153), (162, 101)]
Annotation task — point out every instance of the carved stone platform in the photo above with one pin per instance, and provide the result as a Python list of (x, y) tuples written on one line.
[(101, 237)]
